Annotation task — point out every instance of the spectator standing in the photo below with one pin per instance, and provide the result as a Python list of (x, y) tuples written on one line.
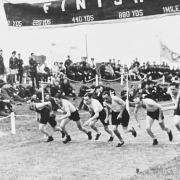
[(68, 62), (13, 67), (2, 67), (93, 66), (33, 70), (20, 68)]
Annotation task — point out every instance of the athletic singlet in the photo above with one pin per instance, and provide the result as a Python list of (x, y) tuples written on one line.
[(150, 104), (67, 106), (177, 110), (114, 106), (95, 105), (176, 101)]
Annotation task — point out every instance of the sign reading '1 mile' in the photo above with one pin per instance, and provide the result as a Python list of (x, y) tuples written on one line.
[(68, 12)]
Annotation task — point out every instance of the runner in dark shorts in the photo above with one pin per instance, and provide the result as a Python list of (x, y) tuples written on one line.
[(71, 113), (102, 117), (155, 115), (119, 115), (154, 112), (124, 121), (46, 116), (97, 113)]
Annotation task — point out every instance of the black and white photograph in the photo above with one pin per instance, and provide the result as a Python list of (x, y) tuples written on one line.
[(89, 90)]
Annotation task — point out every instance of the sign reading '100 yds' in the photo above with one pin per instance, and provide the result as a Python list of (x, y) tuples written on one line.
[(80, 11)]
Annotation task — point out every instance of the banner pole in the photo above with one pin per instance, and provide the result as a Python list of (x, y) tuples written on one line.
[(97, 83), (127, 94), (163, 79), (86, 46), (122, 77), (42, 92)]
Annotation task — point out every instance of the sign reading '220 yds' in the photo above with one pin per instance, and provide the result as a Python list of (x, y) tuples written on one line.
[(65, 12)]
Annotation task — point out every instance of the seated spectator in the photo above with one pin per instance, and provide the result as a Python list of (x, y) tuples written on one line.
[(109, 89), (5, 103), (25, 92), (35, 98), (109, 72), (5, 107), (55, 88), (72, 71), (67, 89)]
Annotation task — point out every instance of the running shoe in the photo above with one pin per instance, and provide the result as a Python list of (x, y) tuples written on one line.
[(50, 138), (68, 139), (120, 144), (133, 131), (111, 139), (89, 135), (97, 136), (63, 134), (155, 142), (170, 135)]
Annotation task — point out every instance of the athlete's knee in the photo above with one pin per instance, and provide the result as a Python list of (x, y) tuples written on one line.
[(79, 127), (91, 124), (106, 128), (115, 129), (163, 128), (177, 125), (41, 128), (148, 129), (62, 126)]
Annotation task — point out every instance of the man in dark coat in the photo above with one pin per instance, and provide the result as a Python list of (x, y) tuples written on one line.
[(13, 67), (33, 70), (2, 67), (20, 69), (68, 62)]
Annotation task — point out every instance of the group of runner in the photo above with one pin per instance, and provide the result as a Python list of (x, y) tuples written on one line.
[(107, 108)]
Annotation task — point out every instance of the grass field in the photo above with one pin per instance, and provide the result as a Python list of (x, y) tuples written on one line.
[(26, 156)]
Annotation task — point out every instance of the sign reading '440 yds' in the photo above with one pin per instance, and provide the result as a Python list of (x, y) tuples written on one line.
[(68, 12)]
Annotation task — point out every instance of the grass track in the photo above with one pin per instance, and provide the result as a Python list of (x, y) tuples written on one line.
[(26, 156)]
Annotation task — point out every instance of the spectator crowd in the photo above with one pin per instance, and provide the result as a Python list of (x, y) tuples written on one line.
[(63, 74)]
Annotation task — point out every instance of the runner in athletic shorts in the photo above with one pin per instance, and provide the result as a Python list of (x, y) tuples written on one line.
[(46, 116), (119, 115), (97, 112), (175, 96), (154, 112), (71, 113)]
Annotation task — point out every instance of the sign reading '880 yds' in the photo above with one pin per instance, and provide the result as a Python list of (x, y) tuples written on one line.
[(64, 12)]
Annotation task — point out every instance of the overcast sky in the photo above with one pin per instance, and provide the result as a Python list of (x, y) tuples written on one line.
[(124, 41)]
